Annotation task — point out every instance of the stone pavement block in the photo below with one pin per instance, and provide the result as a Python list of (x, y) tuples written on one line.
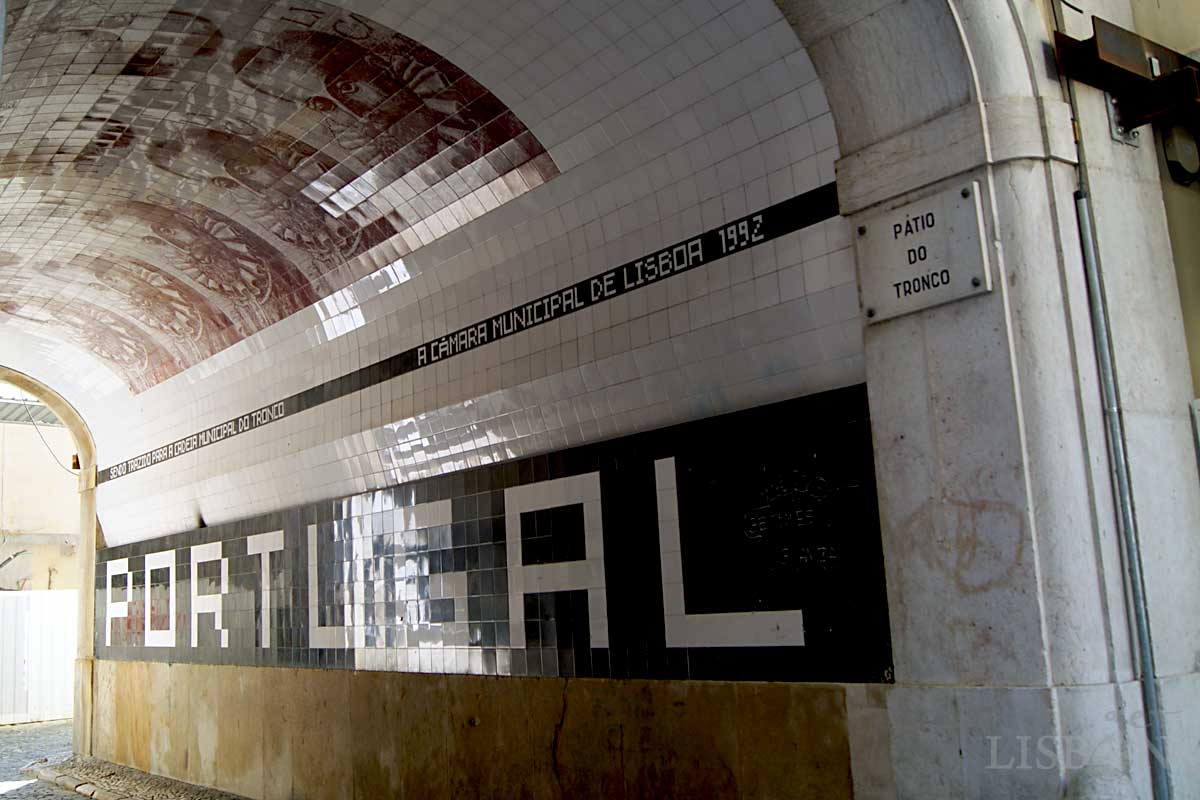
[(104, 794), (109, 781)]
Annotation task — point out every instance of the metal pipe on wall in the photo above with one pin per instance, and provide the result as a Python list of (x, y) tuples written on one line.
[(1160, 775), (1159, 770)]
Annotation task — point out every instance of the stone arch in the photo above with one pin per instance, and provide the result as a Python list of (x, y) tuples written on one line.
[(926, 94), (949, 86), (980, 438), (90, 539), (80, 432)]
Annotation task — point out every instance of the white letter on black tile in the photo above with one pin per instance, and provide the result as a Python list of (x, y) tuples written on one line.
[(208, 603), (563, 576), (264, 544), (161, 560), (118, 610), (740, 629)]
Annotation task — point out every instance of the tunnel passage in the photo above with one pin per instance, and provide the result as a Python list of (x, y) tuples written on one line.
[(557, 486)]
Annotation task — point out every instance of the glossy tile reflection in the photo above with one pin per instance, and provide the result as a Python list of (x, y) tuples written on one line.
[(651, 157), (219, 168), (554, 565)]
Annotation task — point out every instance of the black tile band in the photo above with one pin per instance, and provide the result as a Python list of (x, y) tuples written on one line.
[(741, 234), (663, 554)]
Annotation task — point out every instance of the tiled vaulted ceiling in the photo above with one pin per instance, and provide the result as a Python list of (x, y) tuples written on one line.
[(175, 177)]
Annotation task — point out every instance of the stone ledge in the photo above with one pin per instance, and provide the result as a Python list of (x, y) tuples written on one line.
[(104, 780), (104, 794), (68, 782)]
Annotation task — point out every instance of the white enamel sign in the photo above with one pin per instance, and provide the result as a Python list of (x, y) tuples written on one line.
[(923, 254)]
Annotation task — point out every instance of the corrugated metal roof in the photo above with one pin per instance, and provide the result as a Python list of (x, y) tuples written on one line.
[(20, 411)]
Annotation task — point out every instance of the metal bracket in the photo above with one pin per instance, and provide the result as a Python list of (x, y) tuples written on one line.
[(1147, 83), (1118, 131)]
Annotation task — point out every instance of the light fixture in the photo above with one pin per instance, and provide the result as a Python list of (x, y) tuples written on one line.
[(1182, 154)]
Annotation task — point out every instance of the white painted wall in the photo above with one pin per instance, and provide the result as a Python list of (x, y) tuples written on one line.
[(39, 508), (37, 655), (35, 495)]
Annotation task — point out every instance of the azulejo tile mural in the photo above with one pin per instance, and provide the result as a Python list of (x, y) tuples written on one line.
[(220, 168), (742, 547)]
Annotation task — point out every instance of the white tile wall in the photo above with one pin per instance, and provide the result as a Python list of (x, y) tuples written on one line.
[(666, 119)]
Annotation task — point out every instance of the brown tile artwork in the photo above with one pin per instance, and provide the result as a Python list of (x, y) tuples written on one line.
[(177, 178)]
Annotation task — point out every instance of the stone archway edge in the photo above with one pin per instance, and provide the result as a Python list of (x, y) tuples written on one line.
[(991, 404), (90, 538), (1011, 129)]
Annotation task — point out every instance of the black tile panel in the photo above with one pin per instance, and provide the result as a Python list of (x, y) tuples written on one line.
[(777, 514), (550, 535)]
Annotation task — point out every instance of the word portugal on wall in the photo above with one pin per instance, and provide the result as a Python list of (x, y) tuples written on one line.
[(742, 547)]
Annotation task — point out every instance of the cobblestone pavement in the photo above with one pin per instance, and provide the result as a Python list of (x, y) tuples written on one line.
[(20, 744)]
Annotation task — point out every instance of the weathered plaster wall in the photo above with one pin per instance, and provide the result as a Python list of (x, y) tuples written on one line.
[(45, 566), (1152, 330), (39, 509), (1176, 24), (1183, 209), (277, 733), (35, 495)]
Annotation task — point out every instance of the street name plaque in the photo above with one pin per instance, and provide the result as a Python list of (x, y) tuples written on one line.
[(923, 254)]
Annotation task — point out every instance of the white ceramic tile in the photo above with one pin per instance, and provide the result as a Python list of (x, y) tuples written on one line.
[(702, 114)]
